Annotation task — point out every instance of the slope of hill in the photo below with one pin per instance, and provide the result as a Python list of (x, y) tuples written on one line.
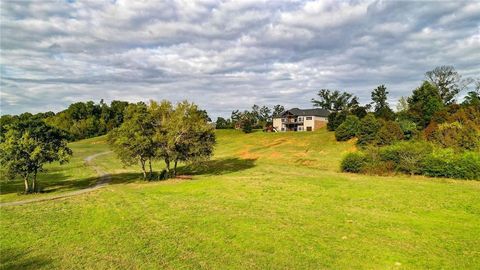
[(264, 201)]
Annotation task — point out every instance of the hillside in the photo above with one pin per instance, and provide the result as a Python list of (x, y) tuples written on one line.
[(266, 200)]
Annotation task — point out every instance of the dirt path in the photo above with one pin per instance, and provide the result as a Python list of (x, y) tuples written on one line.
[(104, 180)]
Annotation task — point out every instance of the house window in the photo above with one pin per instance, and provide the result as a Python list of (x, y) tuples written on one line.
[(300, 128), (283, 129), (283, 120), (308, 118), (300, 119), (309, 128)]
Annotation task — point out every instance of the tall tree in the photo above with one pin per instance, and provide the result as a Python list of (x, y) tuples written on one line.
[(27, 146), (448, 81), (334, 100), (381, 108), (473, 97), (277, 110), (189, 137), (424, 102), (133, 140)]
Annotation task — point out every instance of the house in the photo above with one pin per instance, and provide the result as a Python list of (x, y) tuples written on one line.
[(301, 120)]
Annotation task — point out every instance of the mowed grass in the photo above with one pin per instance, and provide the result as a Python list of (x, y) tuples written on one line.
[(265, 201)]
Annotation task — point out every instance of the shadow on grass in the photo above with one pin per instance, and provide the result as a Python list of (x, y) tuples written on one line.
[(13, 259), (56, 184), (218, 166)]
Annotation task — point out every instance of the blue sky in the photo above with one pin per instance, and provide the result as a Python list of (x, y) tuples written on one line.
[(226, 55)]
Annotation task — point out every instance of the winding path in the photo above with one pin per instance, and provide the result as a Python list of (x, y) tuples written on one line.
[(104, 180)]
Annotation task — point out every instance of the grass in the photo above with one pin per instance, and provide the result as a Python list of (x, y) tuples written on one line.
[(265, 201)]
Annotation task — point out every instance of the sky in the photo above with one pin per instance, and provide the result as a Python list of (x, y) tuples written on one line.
[(226, 55)]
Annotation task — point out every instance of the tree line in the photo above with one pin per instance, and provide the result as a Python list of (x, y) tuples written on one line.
[(137, 132), (259, 117), (430, 116)]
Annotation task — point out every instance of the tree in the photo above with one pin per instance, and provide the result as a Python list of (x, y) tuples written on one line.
[(402, 105), (368, 129), (334, 100), (473, 97), (133, 140), (265, 116), (381, 109), (348, 129), (277, 110), (389, 133), (223, 123), (335, 119), (448, 81), (27, 146), (189, 137), (423, 104)]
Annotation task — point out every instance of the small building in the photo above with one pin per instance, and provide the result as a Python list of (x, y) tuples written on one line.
[(301, 120)]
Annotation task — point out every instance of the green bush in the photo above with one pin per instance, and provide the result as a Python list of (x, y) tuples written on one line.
[(367, 132), (447, 163), (389, 133), (348, 129), (354, 162), (409, 129), (335, 119), (407, 157)]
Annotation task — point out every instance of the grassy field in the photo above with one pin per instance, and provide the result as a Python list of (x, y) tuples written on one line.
[(265, 201)]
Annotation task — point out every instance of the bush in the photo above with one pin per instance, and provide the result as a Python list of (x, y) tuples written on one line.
[(407, 157), (456, 135), (389, 133), (446, 163), (367, 132), (354, 162), (348, 129), (409, 129)]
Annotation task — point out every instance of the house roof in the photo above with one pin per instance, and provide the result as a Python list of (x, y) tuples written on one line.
[(306, 112)]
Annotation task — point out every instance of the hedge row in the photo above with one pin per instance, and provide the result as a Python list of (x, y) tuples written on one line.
[(414, 158)]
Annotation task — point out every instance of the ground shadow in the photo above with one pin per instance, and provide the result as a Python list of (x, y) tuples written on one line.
[(211, 167), (15, 259), (218, 166)]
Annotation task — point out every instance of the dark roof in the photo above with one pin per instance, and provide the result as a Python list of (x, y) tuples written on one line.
[(307, 112)]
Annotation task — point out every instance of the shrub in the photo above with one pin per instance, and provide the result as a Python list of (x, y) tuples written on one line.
[(446, 163), (409, 129), (456, 135), (354, 162), (389, 133), (407, 157), (348, 129), (369, 127)]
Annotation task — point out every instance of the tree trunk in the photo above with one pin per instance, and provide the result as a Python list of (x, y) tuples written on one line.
[(34, 185), (150, 165), (175, 168), (27, 187), (142, 162), (167, 163)]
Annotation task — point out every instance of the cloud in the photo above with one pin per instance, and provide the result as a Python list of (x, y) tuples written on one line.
[(226, 55)]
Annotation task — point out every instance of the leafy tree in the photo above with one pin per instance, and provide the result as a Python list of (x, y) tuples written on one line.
[(189, 137), (402, 105), (265, 116), (423, 104), (448, 81), (389, 133), (133, 140), (348, 129), (379, 97), (27, 146), (277, 110), (334, 100), (335, 119), (473, 97), (368, 129), (409, 129), (223, 123)]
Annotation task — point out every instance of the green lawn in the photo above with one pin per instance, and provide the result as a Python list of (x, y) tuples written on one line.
[(265, 201)]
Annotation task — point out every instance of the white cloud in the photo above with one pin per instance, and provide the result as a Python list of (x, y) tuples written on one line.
[(226, 55)]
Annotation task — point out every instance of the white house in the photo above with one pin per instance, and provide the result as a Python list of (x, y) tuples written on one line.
[(301, 120)]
